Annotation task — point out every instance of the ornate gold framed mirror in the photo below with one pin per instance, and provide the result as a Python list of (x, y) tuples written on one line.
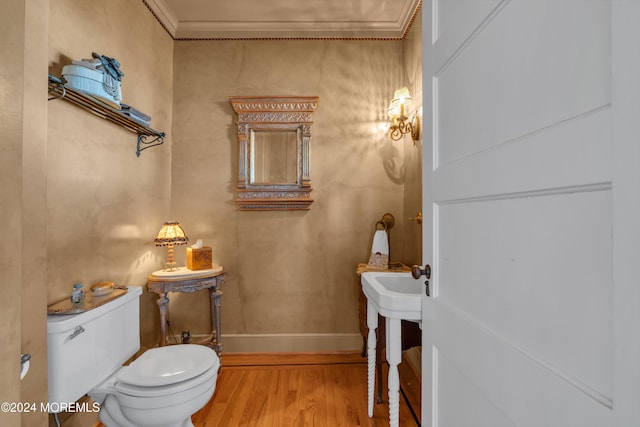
[(274, 151)]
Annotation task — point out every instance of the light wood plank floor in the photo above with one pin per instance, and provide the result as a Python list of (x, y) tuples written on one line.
[(282, 390)]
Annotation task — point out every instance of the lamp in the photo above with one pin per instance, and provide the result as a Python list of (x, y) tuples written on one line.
[(401, 124), (171, 234)]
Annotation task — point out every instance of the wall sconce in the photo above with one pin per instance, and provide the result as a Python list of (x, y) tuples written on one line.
[(171, 234), (401, 124)]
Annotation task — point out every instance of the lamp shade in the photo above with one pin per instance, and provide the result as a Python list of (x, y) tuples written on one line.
[(171, 233), (397, 106), (402, 96)]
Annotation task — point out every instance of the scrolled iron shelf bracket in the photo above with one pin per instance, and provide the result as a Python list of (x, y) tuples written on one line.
[(147, 137), (142, 139)]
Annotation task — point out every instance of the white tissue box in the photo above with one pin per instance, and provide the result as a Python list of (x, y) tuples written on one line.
[(199, 259)]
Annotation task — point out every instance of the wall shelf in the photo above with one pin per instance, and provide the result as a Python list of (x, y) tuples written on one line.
[(147, 137)]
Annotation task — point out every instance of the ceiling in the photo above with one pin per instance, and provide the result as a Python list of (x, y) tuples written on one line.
[(285, 19)]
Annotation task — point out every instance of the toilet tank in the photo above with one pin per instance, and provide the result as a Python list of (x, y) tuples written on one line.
[(85, 348)]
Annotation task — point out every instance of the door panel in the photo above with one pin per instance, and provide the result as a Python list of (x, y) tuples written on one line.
[(540, 63), (522, 389), (532, 221), (520, 257)]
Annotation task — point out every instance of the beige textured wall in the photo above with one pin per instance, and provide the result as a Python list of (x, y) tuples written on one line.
[(34, 221), (288, 272), (12, 30), (105, 205), (23, 27), (412, 69)]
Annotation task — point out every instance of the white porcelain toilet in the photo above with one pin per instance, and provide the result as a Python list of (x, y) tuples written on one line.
[(162, 388)]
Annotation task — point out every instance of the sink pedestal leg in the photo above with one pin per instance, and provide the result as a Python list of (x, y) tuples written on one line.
[(394, 350), (372, 324)]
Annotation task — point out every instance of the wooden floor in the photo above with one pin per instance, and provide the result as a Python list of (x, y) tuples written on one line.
[(282, 390)]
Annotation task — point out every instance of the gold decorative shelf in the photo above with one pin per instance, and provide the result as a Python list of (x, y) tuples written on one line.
[(147, 137)]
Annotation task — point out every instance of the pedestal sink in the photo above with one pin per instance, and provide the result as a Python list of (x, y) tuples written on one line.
[(395, 296)]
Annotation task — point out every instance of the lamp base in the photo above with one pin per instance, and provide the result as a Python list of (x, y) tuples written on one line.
[(171, 264)]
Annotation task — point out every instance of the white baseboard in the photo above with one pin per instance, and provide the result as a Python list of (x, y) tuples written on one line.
[(287, 343)]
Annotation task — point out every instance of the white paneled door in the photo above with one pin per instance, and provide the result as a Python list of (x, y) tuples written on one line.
[(531, 183)]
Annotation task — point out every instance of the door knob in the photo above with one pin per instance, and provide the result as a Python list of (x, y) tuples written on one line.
[(416, 272)]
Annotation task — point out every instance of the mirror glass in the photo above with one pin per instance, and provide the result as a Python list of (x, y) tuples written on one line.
[(274, 157)]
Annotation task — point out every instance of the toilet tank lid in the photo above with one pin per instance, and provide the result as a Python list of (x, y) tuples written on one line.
[(57, 323), (168, 365)]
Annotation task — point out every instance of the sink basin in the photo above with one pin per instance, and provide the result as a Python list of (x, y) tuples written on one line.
[(395, 295)]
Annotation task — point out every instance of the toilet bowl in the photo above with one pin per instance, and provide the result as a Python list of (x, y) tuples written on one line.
[(161, 388)]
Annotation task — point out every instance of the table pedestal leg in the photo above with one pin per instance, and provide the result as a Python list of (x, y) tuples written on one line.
[(214, 301), (394, 350), (162, 302)]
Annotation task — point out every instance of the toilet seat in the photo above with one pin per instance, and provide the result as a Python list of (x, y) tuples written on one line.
[(169, 365), (124, 388), (151, 397), (166, 371)]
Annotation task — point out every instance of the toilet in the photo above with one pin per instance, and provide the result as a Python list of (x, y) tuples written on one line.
[(161, 388)]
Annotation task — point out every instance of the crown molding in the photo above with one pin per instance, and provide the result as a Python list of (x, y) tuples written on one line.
[(164, 15), (239, 30)]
